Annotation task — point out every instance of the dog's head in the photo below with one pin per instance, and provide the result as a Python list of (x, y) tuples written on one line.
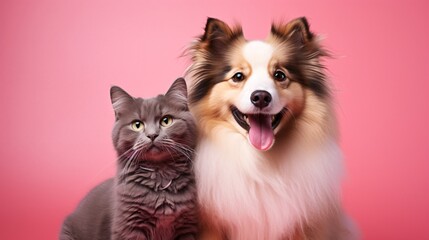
[(254, 87)]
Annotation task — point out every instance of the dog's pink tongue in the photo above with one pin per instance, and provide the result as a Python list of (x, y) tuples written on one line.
[(261, 134)]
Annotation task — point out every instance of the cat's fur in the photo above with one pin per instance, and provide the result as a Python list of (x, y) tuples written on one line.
[(153, 194)]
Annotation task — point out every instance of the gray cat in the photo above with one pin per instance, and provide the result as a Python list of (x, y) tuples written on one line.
[(153, 194)]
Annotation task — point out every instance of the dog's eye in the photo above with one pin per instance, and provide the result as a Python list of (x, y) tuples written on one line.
[(238, 77), (279, 76)]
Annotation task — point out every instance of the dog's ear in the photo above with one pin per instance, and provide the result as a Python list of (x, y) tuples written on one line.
[(217, 34), (296, 30), (216, 29)]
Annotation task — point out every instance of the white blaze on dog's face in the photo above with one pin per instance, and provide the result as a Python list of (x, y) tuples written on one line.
[(265, 94), (258, 55), (256, 88)]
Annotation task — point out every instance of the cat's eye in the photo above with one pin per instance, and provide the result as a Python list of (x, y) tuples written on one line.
[(137, 126), (279, 76), (238, 77), (166, 121)]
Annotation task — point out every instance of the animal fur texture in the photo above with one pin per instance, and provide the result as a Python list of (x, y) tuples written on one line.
[(268, 164), (153, 195)]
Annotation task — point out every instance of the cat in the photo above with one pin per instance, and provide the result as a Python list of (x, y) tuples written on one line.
[(153, 195)]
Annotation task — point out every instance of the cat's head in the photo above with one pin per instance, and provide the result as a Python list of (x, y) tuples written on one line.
[(154, 129)]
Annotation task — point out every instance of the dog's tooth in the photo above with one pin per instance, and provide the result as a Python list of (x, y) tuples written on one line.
[(246, 119)]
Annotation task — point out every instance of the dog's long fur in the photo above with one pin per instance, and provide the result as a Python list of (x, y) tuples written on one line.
[(291, 189)]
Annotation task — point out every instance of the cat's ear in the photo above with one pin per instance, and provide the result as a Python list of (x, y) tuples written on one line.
[(120, 100), (178, 93)]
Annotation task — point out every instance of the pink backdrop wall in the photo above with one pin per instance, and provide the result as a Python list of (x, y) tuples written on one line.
[(58, 60)]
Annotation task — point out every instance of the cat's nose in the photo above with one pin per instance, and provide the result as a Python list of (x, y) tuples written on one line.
[(152, 136)]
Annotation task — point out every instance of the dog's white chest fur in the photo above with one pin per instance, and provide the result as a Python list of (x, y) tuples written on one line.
[(259, 198)]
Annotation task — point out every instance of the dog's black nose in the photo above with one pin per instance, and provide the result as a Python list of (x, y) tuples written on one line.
[(260, 98)]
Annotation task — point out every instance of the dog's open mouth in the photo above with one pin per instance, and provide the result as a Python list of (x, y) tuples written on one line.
[(259, 126)]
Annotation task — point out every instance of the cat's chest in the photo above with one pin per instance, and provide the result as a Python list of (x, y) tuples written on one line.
[(139, 212), (145, 201), (158, 196)]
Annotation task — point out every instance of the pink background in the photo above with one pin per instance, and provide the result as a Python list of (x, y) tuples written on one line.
[(58, 60)]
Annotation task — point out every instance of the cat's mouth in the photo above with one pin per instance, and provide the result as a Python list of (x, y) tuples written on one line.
[(149, 151), (260, 127), (153, 149), (156, 152)]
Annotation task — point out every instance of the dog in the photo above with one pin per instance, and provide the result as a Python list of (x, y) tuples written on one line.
[(268, 164)]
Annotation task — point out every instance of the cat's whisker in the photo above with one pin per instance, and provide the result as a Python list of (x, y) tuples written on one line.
[(179, 151), (185, 151), (185, 148), (130, 163), (178, 144), (140, 145), (168, 150), (124, 156)]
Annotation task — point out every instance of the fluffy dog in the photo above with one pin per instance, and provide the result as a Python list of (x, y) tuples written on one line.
[(268, 164)]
